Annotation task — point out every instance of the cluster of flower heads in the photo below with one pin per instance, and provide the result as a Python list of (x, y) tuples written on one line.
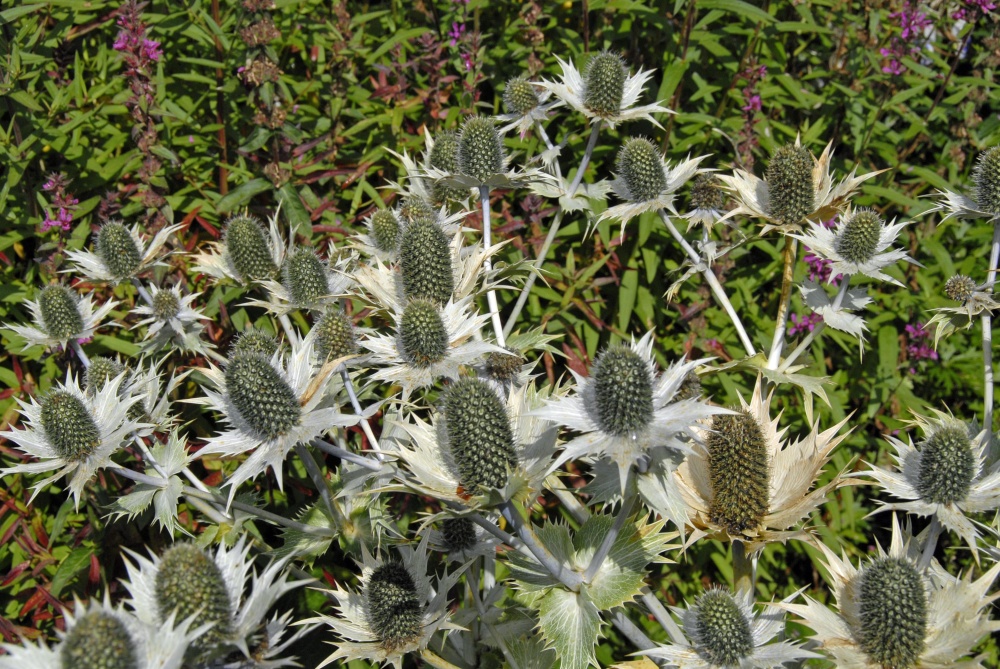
[(471, 429)]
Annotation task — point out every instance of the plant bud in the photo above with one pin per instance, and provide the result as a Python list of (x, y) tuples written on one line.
[(249, 249), (480, 149), (504, 367), (641, 168), (947, 464), (423, 338), (264, 400), (623, 390), (253, 341), (857, 241), (60, 313), (335, 336), (394, 611), (305, 277), (166, 305), (459, 533), (426, 263), (707, 193), (960, 288), (444, 156), (790, 187), (101, 371), (479, 434), (986, 176), (415, 209), (98, 640), (190, 583), (385, 230), (690, 388), (738, 470), (519, 96), (892, 613), (118, 250), (604, 84), (723, 631), (69, 426)]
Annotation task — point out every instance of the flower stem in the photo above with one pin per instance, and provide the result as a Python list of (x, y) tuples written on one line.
[(539, 261), (286, 325), (631, 632), (713, 283), (743, 567), (261, 513), (75, 345), (663, 616), (987, 325), (343, 454), (491, 296), (930, 544), (356, 406), (316, 474), (142, 291), (567, 577), (591, 143), (781, 320), (628, 501)]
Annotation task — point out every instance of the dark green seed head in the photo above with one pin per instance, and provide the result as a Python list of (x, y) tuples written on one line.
[(385, 230), (504, 367), (69, 426), (893, 613), (249, 249), (986, 176), (738, 469), (262, 397), (415, 209), (947, 464), (444, 156), (423, 339), (707, 193), (960, 288), (790, 185), (101, 371), (166, 305), (623, 390), (60, 313), (480, 149), (394, 610), (519, 96), (690, 388), (189, 582), (305, 277), (479, 434), (118, 250), (426, 264), (335, 336), (604, 84), (459, 533), (857, 239), (254, 342), (724, 635), (641, 168), (98, 640)]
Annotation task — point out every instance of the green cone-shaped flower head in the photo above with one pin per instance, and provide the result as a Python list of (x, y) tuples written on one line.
[(166, 305), (423, 338), (385, 230), (859, 235), (739, 472), (394, 611), (98, 640), (249, 249), (690, 388), (960, 288), (415, 209), (335, 336), (623, 391), (444, 156), (190, 583), (479, 434), (723, 631), (305, 277), (426, 263), (987, 179), (604, 83), (459, 534), (519, 96), (69, 426), (253, 341), (60, 313), (892, 612), (947, 464), (504, 367), (265, 401), (480, 149), (707, 193), (641, 168), (791, 192), (118, 250), (101, 370)]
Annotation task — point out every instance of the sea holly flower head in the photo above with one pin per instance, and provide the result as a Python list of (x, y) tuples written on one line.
[(248, 252), (708, 201), (60, 315), (171, 320), (893, 613), (119, 253), (985, 200), (525, 103), (605, 92), (974, 299)]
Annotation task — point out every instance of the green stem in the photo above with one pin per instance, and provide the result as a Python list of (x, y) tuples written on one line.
[(743, 567)]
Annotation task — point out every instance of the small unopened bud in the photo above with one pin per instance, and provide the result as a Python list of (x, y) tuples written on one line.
[(118, 250), (444, 156), (707, 193), (892, 612), (986, 176), (305, 277), (69, 426), (790, 187), (385, 230), (858, 238), (960, 288), (253, 341), (98, 640), (504, 367), (480, 149), (264, 400), (101, 371), (422, 336), (723, 633), (641, 168), (519, 96), (166, 305), (479, 434), (415, 209), (459, 533), (738, 470), (249, 249), (60, 312), (604, 84)]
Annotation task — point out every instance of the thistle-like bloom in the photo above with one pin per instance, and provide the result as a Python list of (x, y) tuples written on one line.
[(99, 636), (73, 432), (708, 201), (120, 253), (480, 448), (890, 613), (307, 282), (188, 583), (60, 315), (796, 188), (525, 105), (646, 181), (747, 482), (985, 202), (605, 92), (430, 342), (723, 632), (171, 319), (247, 254), (271, 404), (858, 245), (461, 540), (948, 475), (625, 408), (395, 612), (441, 154)]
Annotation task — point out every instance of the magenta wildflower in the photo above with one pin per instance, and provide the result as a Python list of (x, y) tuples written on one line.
[(973, 9), (803, 323), (456, 33), (753, 104), (63, 204), (919, 346), (912, 23)]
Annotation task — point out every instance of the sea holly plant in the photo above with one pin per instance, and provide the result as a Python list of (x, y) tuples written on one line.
[(370, 395)]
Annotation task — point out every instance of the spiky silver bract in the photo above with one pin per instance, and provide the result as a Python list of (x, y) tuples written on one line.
[(171, 320), (60, 315), (119, 253)]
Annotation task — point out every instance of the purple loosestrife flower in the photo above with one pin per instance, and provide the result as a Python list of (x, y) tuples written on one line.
[(753, 104), (919, 346), (63, 204), (805, 323), (912, 23), (972, 10), (456, 33)]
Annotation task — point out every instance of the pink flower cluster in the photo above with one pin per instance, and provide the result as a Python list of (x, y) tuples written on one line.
[(973, 9), (804, 323), (919, 346), (63, 204), (912, 23)]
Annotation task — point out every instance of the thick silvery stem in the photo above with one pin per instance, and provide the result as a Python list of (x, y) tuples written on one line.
[(286, 325), (142, 292), (491, 296), (568, 577), (987, 324), (628, 501), (316, 474), (591, 143), (75, 345), (356, 406), (743, 567), (539, 261), (343, 454)]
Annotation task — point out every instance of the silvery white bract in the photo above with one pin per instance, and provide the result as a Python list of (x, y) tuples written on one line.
[(218, 263), (85, 322), (171, 459), (95, 267), (837, 316)]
